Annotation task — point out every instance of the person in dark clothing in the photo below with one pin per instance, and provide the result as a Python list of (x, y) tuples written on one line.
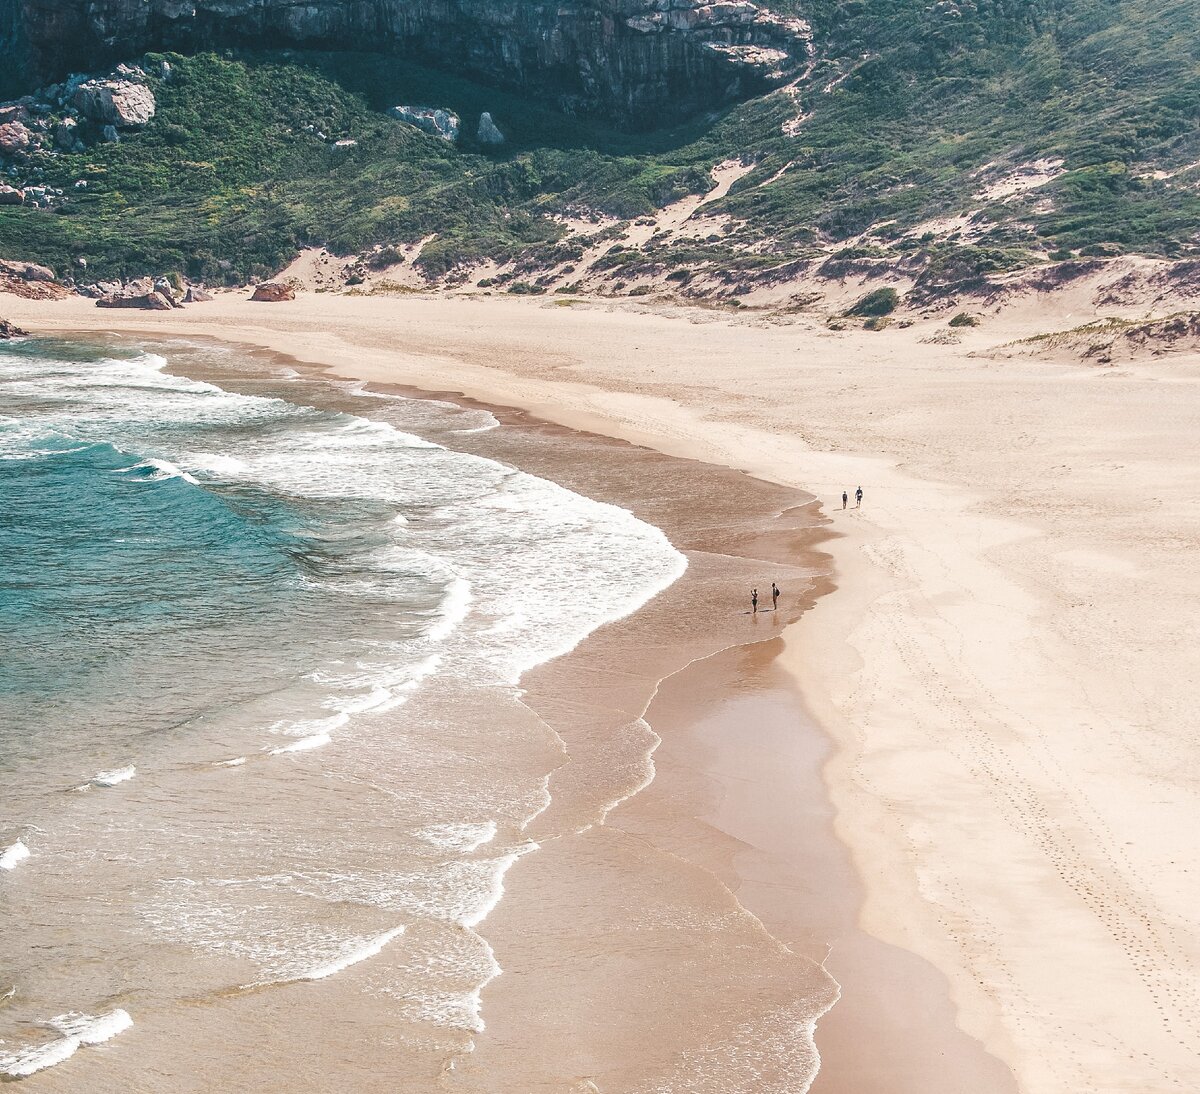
[(774, 597), (858, 498), (845, 498)]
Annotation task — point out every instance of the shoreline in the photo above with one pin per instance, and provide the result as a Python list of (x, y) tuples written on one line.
[(619, 677), (949, 650), (772, 945), (897, 1003)]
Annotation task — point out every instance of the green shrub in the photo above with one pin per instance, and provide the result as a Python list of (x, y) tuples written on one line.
[(876, 303), (962, 319)]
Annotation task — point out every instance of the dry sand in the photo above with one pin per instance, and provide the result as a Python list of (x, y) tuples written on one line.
[(1009, 666)]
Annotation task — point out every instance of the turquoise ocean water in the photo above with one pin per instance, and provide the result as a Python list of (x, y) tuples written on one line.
[(260, 642)]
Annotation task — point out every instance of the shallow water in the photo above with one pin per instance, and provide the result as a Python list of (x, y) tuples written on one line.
[(259, 715)]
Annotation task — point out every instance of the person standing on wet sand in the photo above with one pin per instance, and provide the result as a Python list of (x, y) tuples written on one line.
[(754, 601), (774, 597), (858, 498), (845, 498)]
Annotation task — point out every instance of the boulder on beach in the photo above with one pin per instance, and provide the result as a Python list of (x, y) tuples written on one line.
[(31, 281), (273, 292), (430, 119), (26, 271), (11, 330), (196, 295), (151, 301)]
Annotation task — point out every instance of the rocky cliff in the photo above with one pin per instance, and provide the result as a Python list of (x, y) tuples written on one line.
[(640, 62)]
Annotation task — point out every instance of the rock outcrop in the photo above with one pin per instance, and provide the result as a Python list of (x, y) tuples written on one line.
[(68, 117), (15, 138), (151, 301), (121, 103), (11, 330), (273, 292), (430, 119), (31, 281), (26, 271), (488, 131), (640, 62)]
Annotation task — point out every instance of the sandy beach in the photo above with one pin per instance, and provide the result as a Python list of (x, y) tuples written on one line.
[(1005, 663)]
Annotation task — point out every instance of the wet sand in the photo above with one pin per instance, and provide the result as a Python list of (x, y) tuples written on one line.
[(735, 827), (742, 759)]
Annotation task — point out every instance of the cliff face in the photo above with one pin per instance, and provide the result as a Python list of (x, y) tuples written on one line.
[(642, 63), (13, 48)]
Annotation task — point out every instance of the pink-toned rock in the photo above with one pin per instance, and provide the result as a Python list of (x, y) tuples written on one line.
[(273, 292), (14, 137), (151, 301), (9, 196), (10, 330), (27, 271), (121, 103)]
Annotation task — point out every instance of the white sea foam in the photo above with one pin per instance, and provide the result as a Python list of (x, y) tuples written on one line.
[(161, 470), (375, 686), (461, 891), (312, 727), (358, 951), (13, 855), (486, 427), (484, 904), (374, 699), (76, 1031), (455, 605), (481, 420), (237, 761), (463, 838), (105, 779), (224, 466), (302, 744)]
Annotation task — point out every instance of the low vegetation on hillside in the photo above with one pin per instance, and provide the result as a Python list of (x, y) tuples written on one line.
[(947, 140)]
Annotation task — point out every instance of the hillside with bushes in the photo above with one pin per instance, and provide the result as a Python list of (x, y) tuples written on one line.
[(948, 141)]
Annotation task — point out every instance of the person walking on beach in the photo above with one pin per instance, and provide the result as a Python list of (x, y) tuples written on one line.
[(774, 597), (754, 601), (858, 498), (845, 498)]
